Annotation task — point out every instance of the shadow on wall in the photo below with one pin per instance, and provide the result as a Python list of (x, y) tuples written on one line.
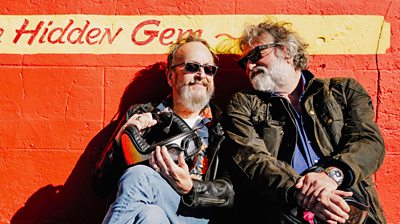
[(75, 202)]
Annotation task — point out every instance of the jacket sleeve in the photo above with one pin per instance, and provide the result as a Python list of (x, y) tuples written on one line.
[(361, 147), (217, 190), (216, 193), (111, 164), (252, 161), (109, 167)]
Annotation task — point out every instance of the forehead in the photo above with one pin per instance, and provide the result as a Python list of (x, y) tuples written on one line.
[(194, 51), (257, 41)]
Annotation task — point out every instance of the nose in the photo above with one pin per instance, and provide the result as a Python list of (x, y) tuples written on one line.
[(250, 65), (201, 74)]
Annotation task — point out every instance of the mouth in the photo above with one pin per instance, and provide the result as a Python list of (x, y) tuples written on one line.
[(256, 71), (197, 84), (253, 74)]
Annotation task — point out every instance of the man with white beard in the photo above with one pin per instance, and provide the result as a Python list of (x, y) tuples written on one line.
[(303, 149), (164, 189)]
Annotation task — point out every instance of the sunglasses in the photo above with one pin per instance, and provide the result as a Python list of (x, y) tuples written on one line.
[(188, 143), (254, 55), (193, 67)]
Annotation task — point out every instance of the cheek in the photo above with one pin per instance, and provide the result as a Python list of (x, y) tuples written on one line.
[(264, 61), (182, 79), (210, 80), (186, 78)]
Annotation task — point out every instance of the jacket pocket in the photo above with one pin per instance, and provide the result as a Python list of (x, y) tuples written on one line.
[(272, 136), (331, 116)]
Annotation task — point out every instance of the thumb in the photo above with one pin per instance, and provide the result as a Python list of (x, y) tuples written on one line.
[(299, 183)]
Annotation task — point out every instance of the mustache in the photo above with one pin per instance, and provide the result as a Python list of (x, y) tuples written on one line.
[(194, 82), (258, 70)]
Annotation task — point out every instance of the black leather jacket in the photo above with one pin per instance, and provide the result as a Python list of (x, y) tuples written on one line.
[(215, 191)]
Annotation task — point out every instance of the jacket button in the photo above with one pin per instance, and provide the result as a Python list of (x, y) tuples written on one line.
[(329, 121), (311, 112)]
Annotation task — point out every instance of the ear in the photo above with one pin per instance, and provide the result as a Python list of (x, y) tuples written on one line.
[(285, 52), (168, 73)]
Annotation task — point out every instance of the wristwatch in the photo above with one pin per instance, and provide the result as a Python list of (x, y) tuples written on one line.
[(335, 174)]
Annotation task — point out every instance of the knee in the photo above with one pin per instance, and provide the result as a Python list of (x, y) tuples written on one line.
[(151, 214), (135, 173)]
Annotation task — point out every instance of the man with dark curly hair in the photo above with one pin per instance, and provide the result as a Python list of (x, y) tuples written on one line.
[(303, 148)]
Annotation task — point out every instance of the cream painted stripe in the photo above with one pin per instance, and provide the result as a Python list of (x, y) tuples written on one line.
[(101, 34)]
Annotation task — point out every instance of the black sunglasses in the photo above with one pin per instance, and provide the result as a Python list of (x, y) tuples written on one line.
[(188, 143), (195, 67), (254, 55)]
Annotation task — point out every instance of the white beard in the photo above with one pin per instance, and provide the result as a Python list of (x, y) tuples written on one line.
[(193, 101), (272, 79)]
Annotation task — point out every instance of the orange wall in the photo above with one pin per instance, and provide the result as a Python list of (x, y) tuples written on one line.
[(56, 108)]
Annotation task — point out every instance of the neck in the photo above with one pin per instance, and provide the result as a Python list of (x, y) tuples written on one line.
[(295, 94), (184, 112), (291, 84), (293, 89)]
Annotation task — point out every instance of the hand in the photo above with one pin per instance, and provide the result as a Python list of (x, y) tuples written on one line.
[(176, 174), (141, 121), (311, 186), (331, 207)]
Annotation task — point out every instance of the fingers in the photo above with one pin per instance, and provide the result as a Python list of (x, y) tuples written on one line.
[(303, 185), (343, 193), (165, 161), (177, 175), (311, 185), (169, 163), (299, 185), (182, 162), (329, 217), (309, 202), (141, 121), (326, 219), (340, 202), (329, 207), (160, 160), (306, 186), (153, 162)]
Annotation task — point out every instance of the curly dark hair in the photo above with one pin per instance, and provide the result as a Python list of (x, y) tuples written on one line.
[(284, 36)]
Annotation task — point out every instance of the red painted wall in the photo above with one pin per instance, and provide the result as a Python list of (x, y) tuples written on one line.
[(56, 108)]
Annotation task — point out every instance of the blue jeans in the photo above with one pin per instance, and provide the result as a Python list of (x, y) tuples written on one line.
[(144, 196)]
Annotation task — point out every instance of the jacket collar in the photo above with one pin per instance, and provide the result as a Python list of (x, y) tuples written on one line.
[(313, 84)]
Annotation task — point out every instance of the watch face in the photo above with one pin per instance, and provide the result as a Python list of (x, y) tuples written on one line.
[(335, 173)]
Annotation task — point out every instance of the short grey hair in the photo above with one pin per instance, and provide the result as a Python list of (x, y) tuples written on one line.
[(184, 40)]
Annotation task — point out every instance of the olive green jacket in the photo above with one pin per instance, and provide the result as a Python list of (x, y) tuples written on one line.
[(339, 120)]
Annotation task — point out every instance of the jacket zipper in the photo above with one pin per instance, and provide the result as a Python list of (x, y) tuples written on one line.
[(212, 200), (217, 147)]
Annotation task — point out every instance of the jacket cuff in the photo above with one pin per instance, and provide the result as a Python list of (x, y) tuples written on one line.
[(190, 198)]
